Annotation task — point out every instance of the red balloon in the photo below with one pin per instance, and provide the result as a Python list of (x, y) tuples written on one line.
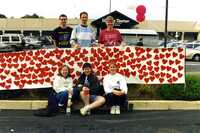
[(141, 9), (140, 18)]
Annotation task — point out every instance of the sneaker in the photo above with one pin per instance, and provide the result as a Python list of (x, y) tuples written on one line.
[(84, 111), (112, 110), (117, 110)]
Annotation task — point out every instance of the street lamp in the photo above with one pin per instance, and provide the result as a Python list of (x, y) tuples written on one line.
[(110, 6), (166, 22)]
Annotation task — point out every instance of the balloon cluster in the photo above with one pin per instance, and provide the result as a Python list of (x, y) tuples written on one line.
[(141, 10)]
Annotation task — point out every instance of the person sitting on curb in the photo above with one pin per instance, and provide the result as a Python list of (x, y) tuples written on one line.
[(115, 87), (91, 92), (63, 86)]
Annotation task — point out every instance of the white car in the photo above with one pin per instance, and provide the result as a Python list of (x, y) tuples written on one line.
[(192, 54), (32, 43)]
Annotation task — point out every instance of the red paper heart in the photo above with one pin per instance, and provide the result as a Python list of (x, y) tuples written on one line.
[(174, 54), (180, 75), (180, 68)]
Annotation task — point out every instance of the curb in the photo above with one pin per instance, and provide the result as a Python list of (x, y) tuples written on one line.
[(133, 104)]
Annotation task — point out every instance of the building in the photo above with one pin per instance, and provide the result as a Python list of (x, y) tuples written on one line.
[(38, 27)]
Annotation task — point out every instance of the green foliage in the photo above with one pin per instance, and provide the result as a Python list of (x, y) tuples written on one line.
[(189, 91)]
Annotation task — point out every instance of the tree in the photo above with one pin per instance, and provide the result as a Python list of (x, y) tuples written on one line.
[(32, 16), (2, 16)]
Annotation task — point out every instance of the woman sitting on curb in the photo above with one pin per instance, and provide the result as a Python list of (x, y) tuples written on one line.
[(115, 87), (63, 86), (90, 90)]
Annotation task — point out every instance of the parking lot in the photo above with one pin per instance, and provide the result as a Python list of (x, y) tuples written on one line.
[(21, 121)]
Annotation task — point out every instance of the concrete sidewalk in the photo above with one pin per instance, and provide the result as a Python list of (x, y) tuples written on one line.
[(133, 104)]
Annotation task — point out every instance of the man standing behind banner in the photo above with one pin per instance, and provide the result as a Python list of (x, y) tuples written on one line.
[(110, 36), (61, 35), (82, 34)]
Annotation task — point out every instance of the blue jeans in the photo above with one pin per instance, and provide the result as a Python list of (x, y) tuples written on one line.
[(62, 97)]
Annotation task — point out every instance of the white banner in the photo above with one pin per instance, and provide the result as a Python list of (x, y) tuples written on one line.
[(36, 69)]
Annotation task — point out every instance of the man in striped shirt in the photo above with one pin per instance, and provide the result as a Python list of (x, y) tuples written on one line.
[(82, 35)]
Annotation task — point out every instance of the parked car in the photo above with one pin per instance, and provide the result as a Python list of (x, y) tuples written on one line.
[(192, 54), (32, 43), (13, 40), (6, 48)]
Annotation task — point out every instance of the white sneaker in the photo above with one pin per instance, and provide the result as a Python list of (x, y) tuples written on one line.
[(112, 110), (117, 110), (84, 110)]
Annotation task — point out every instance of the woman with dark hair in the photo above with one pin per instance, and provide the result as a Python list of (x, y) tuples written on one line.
[(63, 86), (115, 87), (90, 90)]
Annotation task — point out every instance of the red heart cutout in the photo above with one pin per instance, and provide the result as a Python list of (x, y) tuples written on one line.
[(180, 75), (7, 87), (174, 54), (162, 74), (168, 68), (162, 67), (181, 56), (180, 49), (164, 61), (148, 50), (174, 70), (140, 77), (170, 49), (180, 68), (128, 50), (157, 75), (48, 80), (161, 56), (161, 80), (6, 71), (9, 81), (156, 51), (13, 74), (171, 62), (156, 69), (152, 78), (156, 57), (151, 73), (177, 61), (156, 63), (167, 55), (150, 68), (146, 80), (86, 59), (3, 65), (16, 83), (133, 73), (131, 55), (2, 84), (174, 79), (168, 75), (71, 63), (164, 49)]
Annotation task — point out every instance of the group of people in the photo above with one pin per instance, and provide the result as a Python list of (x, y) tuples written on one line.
[(113, 90), (90, 91), (83, 35)]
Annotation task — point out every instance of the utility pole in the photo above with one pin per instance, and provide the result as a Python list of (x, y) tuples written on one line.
[(166, 22), (110, 6)]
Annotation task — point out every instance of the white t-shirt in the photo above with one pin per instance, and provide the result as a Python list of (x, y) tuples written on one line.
[(114, 81), (62, 84)]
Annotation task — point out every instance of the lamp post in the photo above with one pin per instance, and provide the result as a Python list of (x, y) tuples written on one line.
[(110, 6), (166, 22)]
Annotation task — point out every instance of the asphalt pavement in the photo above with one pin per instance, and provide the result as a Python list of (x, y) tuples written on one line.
[(21, 121)]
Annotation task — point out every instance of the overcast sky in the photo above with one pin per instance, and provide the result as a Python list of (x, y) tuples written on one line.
[(184, 10)]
